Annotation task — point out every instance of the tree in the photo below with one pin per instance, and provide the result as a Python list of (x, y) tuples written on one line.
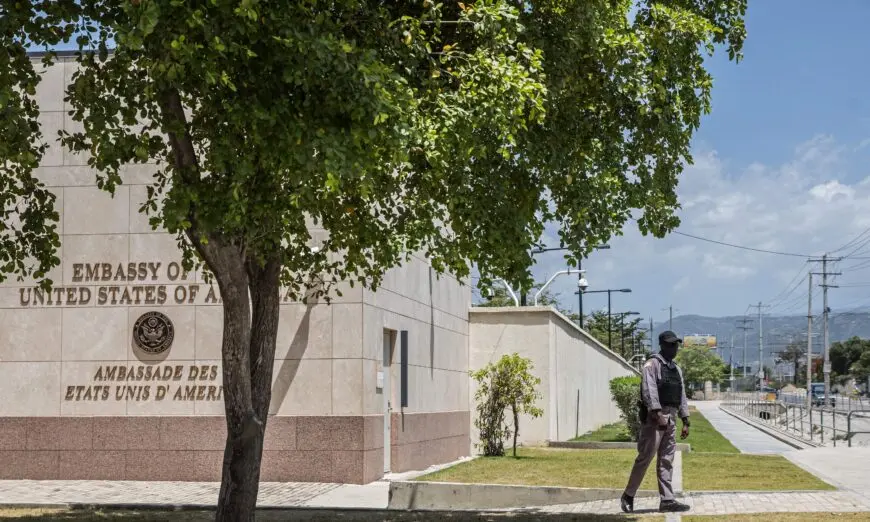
[(845, 354), (860, 369), (699, 365), (619, 327), (499, 297), (625, 392), (795, 354), (455, 130), (509, 383)]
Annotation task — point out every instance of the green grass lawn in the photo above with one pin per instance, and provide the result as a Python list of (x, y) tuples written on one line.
[(616, 432), (714, 464), (703, 436), (729, 472), (547, 467)]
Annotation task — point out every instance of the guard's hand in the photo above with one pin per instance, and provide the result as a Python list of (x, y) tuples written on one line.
[(684, 433)]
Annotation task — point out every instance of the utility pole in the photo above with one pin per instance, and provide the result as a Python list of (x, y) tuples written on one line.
[(651, 342), (671, 318), (760, 345), (825, 311), (745, 327), (809, 346), (731, 363)]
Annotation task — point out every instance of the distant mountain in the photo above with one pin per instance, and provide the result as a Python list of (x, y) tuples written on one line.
[(778, 332)]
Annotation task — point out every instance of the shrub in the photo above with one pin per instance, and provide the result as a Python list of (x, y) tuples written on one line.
[(625, 392), (509, 383)]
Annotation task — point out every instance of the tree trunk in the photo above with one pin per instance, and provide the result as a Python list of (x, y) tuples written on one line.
[(250, 295), (516, 427)]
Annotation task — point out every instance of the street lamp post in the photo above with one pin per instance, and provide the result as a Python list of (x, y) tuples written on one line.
[(542, 250), (622, 316), (609, 291), (557, 274)]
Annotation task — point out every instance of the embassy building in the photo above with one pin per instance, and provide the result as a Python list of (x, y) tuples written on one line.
[(116, 372)]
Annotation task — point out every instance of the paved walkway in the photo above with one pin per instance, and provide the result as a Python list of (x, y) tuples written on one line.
[(744, 437), (729, 503), (846, 468), (272, 494)]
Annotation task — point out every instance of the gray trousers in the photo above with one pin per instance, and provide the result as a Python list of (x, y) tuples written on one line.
[(652, 442)]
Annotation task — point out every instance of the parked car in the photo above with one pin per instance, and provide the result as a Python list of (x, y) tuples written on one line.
[(817, 391)]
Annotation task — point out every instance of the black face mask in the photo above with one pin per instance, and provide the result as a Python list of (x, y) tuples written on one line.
[(669, 351)]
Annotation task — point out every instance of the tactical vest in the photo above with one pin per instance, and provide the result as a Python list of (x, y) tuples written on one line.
[(670, 386)]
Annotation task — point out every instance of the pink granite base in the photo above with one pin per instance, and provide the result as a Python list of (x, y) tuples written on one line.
[(420, 440), (342, 449), (297, 449)]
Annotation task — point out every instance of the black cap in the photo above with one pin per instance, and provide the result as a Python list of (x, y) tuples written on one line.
[(669, 337)]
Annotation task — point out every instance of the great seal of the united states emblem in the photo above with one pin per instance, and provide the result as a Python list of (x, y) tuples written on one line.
[(153, 333)]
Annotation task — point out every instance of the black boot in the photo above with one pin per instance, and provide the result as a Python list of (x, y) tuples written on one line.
[(627, 503), (672, 506)]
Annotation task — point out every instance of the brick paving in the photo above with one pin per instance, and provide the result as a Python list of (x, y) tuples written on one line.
[(132, 492), (726, 503)]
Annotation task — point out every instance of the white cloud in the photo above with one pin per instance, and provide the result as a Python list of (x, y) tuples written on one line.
[(808, 204)]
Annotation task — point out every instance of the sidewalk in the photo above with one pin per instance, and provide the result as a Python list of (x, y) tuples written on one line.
[(845, 468), (744, 437), (272, 494)]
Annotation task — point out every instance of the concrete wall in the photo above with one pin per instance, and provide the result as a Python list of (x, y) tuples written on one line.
[(574, 368), (329, 412)]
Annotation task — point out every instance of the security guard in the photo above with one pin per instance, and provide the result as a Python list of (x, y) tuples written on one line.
[(663, 398)]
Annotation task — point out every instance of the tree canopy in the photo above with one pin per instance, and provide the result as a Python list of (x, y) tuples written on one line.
[(499, 296), (458, 130), (700, 364), (796, 355), (381, 122), (846, 354), (627, 336)]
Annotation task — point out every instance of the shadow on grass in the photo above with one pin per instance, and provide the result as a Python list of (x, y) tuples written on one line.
[(306, 515)]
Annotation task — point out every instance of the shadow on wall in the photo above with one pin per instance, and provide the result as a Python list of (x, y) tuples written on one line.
[(289, 366)]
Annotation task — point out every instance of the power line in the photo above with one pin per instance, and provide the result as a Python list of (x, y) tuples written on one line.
[(789, 289), (732, 245), (853, 241)]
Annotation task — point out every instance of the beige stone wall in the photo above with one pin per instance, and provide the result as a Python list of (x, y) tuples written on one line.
[(574, 368), (493, 335)]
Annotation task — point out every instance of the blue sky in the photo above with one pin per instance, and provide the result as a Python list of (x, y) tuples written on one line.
[(781, 164)]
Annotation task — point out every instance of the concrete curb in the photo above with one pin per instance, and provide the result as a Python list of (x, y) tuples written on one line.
[(779, 435), (426, 496), (570, 444)]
